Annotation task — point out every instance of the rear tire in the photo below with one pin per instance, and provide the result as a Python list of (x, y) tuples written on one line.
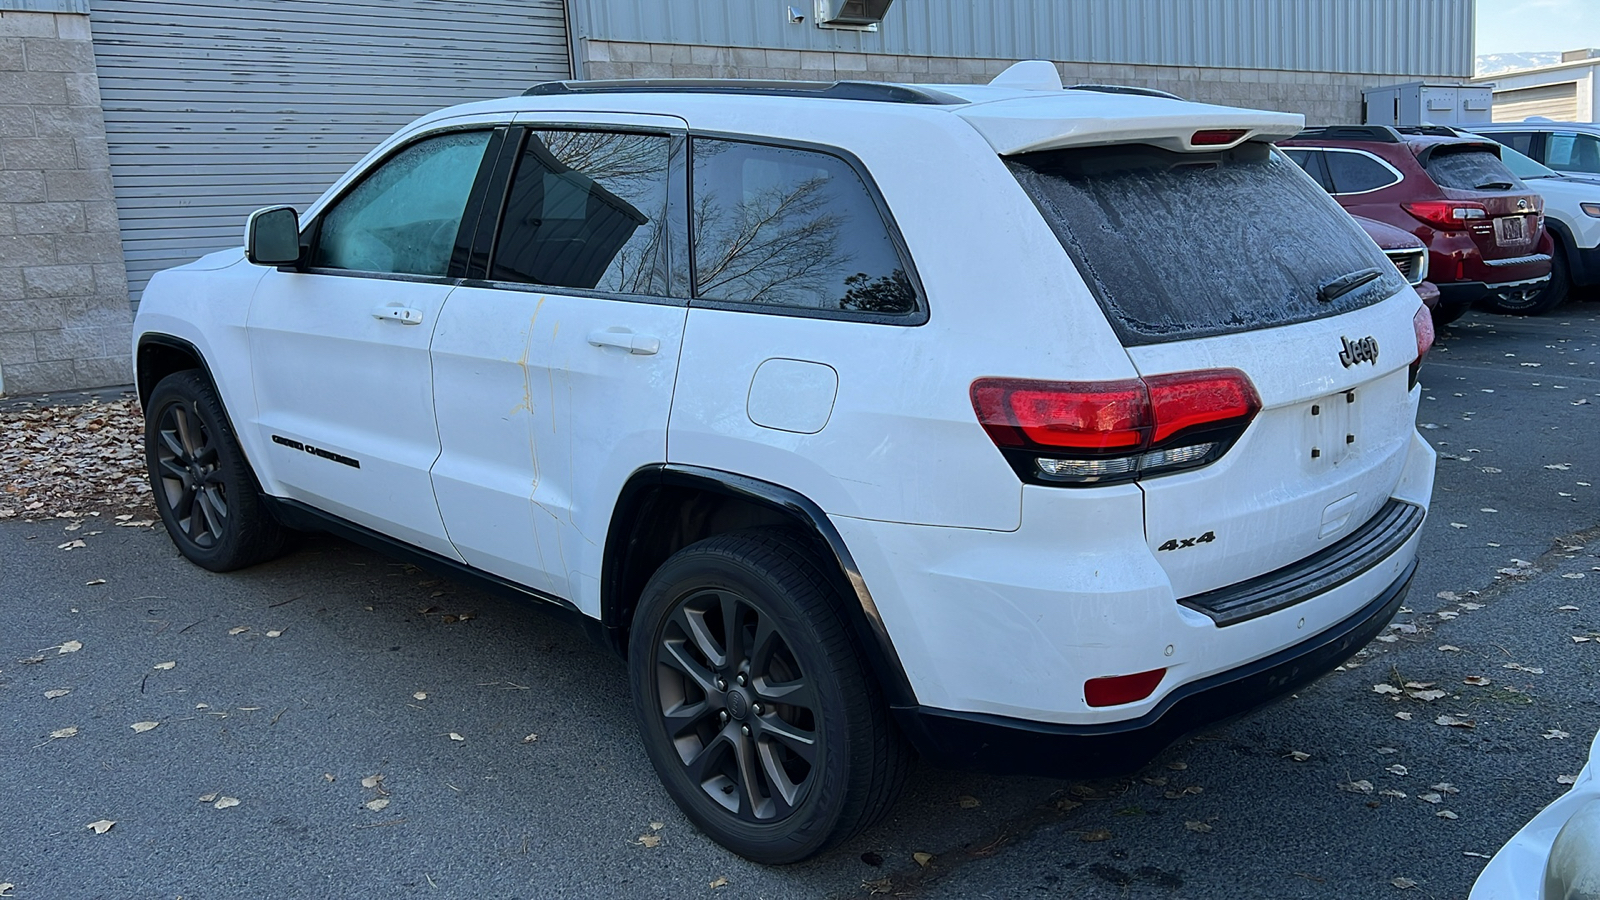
[(204, 489), (753, 701), (1552, 296)]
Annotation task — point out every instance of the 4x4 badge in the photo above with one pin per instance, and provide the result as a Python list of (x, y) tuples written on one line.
[(1364, 350)]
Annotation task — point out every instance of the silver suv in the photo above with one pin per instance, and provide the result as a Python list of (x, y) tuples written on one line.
[(1571, 148)]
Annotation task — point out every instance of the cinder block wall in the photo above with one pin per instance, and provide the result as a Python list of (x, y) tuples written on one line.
[(65, 319), (1324, 98)]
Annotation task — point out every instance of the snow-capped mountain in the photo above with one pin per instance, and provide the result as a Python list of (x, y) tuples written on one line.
[(1496, 63)]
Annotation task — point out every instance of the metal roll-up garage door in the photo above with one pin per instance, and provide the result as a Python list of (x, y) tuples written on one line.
[(214, 108), (1553, 101)]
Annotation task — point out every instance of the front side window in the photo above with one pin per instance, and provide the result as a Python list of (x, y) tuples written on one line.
[(1520, 141), (403, 216), (587, 209), (1567, 152), (1357, 173), (786, 227)]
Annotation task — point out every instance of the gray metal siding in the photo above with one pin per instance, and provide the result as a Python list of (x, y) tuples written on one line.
[(214, 109), (1418, 38)]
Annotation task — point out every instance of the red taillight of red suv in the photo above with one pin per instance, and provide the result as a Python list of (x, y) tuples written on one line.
[(1057, 432), (1446, 215)]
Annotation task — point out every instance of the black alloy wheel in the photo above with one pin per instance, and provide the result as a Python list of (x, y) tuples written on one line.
[(189, 478), (204, 490), (753, 700), (741, 713)]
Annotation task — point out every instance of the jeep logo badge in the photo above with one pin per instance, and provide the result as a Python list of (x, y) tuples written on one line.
[(1364, 350)]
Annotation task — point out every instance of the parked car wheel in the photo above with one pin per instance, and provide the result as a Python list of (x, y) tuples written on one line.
[(204, 490), (1542, 301), (753, 702)]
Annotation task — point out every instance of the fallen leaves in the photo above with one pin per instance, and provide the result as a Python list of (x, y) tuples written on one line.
[(1397, 769), (142, 727), (969, 802), (1455, 722), (1402, 883), (528, 739), (59, 459), (100, 827), (1475, 680), (720, 882), (1519, 667), (922, 859), (225, 803), (69, 647), (61, 733), (1555, 734), (1357, 787), (164, 666), (1429, 696), (59, 692), (649, 840), (1297, 755), (378, 804), (456, 737), (1385, 689), (241, 629), (1446, 814), (1094, 835), (1200, 827), (1566, 779), (420, 695)]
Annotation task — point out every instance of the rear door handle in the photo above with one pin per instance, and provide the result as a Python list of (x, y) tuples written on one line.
[(637, 344), (405, 315)]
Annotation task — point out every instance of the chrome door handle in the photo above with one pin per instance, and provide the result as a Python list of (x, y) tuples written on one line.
[(637, 344), (402, 314)]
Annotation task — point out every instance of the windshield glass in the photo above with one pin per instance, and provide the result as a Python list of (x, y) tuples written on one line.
[(1186, 245), (1522, 166)]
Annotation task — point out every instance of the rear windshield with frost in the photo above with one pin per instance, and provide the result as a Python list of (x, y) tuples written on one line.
[(1471, 170), (1189, 245)]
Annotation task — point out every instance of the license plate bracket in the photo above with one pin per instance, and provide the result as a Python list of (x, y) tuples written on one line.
[(1511, 230)]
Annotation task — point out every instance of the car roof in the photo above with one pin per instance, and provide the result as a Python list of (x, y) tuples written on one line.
[(1024, 109), (1537, 125)]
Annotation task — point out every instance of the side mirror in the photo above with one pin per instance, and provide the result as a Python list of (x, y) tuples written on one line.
[(272, 236)]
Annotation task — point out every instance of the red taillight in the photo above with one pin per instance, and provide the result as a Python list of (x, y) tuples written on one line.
[(1216, 137), (1447, 215), (1193, 399), (1121, 689), (1089, 432), (1108, 415), (1422, 324)]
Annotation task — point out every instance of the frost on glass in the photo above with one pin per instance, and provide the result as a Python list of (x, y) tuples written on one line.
[(586, 210), (403, 217), (1188, 245), (1471, 170)]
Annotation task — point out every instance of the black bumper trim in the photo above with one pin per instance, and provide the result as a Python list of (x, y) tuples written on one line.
[(1322, 571), (1007, 746)]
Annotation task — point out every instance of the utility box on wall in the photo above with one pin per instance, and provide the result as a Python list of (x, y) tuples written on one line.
[(1420, 103)]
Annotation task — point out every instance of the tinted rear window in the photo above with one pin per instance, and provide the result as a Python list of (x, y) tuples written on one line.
[(1188, 245), (1471, 170)]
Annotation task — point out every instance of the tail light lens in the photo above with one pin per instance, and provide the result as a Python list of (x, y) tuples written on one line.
[(1446, 215), (1216, 137), (1422, 324), (1058, 432)]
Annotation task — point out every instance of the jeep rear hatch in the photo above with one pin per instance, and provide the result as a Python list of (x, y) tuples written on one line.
[(1234, 259)]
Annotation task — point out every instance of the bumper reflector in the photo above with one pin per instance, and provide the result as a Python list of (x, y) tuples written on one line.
[(1119, 689)]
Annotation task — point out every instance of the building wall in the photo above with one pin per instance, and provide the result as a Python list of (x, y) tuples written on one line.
[(1409, 38), (1585, 75), (64, 313), (1322, 97)]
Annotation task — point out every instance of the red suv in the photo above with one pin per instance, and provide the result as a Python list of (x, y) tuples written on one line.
[(1484, 228)]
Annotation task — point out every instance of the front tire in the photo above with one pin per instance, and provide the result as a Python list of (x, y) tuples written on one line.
[(204, 489), (753, 701)]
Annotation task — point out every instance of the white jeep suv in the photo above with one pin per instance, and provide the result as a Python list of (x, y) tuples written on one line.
[(1025, 428)]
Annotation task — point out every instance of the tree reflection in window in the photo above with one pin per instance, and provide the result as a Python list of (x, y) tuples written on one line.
[(585, 211), (788, 227)]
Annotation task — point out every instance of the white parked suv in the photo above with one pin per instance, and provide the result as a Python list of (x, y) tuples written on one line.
[(1026, 428)]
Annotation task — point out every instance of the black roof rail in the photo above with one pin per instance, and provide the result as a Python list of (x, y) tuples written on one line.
[(830, 90), (1382, 134), (1124, 89)]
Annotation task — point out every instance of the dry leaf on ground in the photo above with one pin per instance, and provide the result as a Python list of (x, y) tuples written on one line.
[(1566, 779), (378, 804), (922, 859), (142, 727), (241, 629), (1475, 680), (456, 737), (1095, 836), (163, 666), (649, 840), (207, 798), (60, 459), (720, 882), (1446, 814), (100, 827), (1455, 722), (1403, 883), (372, 781), (62, 692), (67, 732), (1555, 734), (1357, 787), (225, 802), (1201, 827), (969, 802), (420, 695), (69, 647)]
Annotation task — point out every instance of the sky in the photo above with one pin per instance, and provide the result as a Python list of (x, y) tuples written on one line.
[(1530, 26)]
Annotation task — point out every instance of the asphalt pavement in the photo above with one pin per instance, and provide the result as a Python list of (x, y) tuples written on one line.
[(385, 732)]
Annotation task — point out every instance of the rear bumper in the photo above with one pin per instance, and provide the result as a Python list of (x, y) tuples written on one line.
[(1004, 745), (1465, 293)]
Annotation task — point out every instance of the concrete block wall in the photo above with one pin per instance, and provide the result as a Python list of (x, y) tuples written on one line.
[(1322, 97), (65, 319)]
